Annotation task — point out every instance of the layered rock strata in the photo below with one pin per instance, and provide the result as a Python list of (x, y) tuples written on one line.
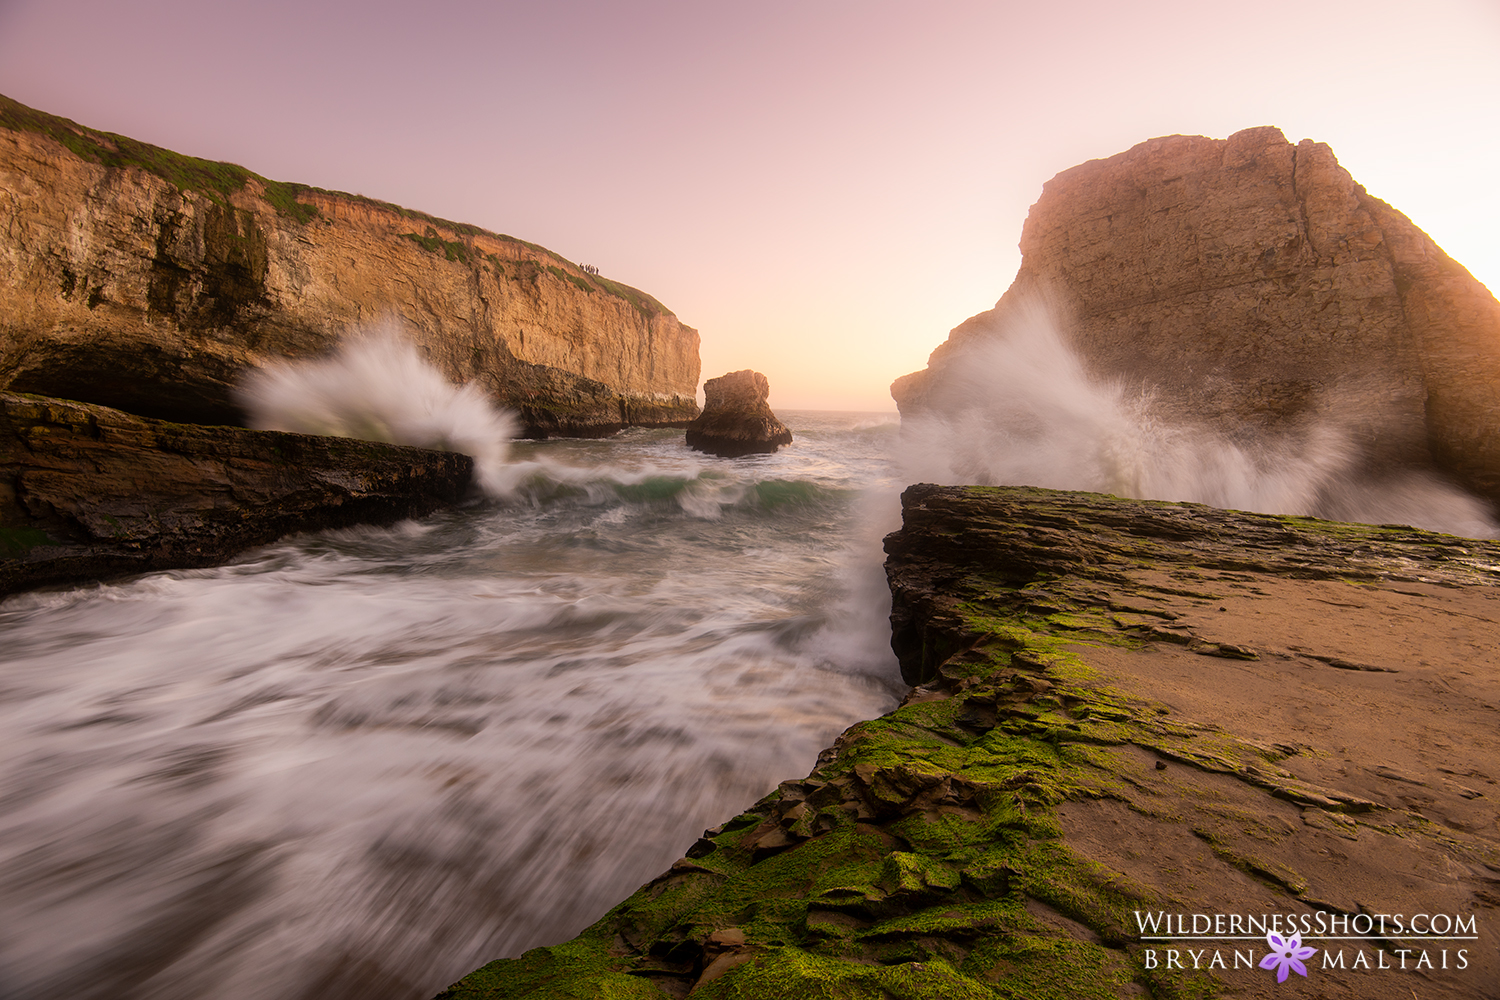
[(1252, 286), (736, 418), (88, 492), (1126, 713), (149, 281)]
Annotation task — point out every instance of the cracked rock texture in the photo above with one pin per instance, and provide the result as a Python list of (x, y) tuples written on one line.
[(736, 418), (88, 492), (1122, 709), (145, 280), (1252, 285)]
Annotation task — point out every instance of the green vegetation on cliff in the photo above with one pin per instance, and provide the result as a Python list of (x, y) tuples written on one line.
[(216, 181), (212, 179)]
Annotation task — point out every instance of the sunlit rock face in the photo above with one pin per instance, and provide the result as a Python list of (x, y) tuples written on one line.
[(737, 419), (141, 279), (1251, 287)]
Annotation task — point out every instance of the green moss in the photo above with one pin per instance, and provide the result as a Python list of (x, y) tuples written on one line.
[(926, 856), (579, 281), (435, 244), (16, 542), (877, 897), (283, 197), (215, 180), (643, 303)]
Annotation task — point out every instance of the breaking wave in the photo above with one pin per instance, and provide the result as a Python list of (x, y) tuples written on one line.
[(378, 387), (1021, 410)]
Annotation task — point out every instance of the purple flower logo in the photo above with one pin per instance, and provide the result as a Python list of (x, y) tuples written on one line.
[(1286, 953)]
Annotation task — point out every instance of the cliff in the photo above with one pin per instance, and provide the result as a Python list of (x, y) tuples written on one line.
[(1249, 285), (1127, 714), (87, 492), (145, 280)]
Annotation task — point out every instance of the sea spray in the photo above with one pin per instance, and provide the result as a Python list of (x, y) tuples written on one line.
[(361, 763), (376, 386), (1019, 409)]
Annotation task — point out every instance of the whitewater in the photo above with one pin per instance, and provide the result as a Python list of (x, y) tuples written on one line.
[(360, 763)]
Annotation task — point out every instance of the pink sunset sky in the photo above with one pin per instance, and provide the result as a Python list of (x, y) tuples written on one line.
[(823, 188)]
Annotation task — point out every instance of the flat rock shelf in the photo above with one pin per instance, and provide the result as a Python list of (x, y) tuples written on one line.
[(1141, 736), (88, 492)]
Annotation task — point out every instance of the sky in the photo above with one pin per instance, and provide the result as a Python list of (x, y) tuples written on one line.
[(823, 188)]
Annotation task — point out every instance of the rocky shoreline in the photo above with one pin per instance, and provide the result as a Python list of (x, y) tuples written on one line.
[(88, 492), (1122, 709)]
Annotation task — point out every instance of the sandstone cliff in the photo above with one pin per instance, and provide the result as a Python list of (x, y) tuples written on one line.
[(1126, 709), (1251, 284), (138, 278), (88, 492)]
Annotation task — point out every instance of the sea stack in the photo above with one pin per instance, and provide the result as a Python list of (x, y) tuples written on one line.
[(736, 419), (1251, 287)]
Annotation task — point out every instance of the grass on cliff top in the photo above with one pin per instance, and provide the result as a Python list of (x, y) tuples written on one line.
[(213, 179), (216, 181)]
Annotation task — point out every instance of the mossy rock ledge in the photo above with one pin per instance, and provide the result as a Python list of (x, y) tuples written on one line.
[(1123, 710), (88, 492)]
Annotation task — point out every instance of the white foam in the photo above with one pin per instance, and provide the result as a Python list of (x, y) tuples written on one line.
[(1020, 410), (377, 387)]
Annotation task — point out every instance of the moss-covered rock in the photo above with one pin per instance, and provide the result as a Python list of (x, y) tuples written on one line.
[(1048, 785)]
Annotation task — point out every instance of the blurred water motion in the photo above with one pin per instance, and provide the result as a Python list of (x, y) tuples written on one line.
[(361, 763)]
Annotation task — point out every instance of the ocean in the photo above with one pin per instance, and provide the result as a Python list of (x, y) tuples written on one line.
[(360, 763)]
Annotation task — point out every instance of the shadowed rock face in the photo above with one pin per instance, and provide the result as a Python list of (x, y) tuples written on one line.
[(1252, 285), (88, 492), (736, 419), (1125, 708), (145, 280)]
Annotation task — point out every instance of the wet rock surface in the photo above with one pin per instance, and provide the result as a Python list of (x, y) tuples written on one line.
[(87, 492), (736, 418), (1122, 708)]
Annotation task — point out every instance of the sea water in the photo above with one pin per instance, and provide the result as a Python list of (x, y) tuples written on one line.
[(360, 763), (355, 765)]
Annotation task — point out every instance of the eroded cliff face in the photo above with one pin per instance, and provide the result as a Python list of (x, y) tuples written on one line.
[(149, 281), (1252, 285)]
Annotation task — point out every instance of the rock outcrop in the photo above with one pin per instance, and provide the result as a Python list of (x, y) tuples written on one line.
[(736, 419), (1251, 284), (88, 492), (1129, 713), (138, 278)]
